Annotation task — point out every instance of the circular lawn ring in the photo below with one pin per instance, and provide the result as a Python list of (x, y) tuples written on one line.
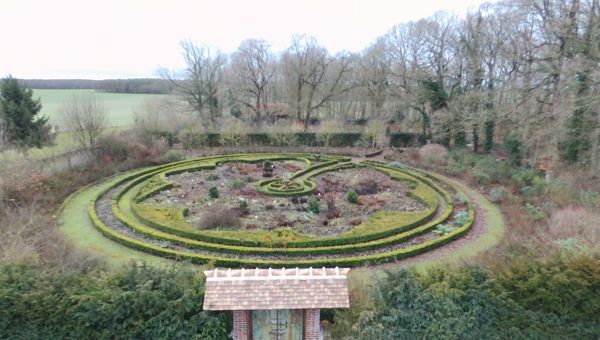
[(123, 212)]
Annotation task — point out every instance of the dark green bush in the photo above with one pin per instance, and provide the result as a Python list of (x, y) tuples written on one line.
[(213, 192), (352, 196), (512, 145), (529, 299), (313, 205), (406, 139), (489, 170), (135, 303), (212, 177)]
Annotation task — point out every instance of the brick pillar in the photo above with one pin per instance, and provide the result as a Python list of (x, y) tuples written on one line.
[(312, 323), (241, 325)]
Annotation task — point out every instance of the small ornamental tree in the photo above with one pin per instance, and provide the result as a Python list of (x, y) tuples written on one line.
[(21, 123), (352, 196), (213, 192), (313, 205)]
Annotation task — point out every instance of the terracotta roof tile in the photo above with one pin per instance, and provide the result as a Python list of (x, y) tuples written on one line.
[(259, 289)]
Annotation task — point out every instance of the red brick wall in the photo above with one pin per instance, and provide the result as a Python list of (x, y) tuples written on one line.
[(241, 325), (313, 324)]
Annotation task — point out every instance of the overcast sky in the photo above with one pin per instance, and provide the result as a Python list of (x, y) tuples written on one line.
[(101, 39)]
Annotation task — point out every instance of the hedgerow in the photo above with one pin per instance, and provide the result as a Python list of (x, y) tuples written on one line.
[(139, 302), (525, 299)]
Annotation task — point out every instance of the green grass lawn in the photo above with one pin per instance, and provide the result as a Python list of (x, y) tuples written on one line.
[(121, 107), (79, 230), (121, 110), (62, 144)]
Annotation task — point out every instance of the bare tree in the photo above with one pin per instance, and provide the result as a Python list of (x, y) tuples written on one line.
[(85, 117), (201, 80), (253, 65), (373, 72), (313, 77)]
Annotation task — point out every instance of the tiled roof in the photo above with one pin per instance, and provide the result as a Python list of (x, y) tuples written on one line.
[(259, 289)]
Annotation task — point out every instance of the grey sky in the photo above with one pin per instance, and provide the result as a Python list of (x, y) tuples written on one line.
[(127, 39)]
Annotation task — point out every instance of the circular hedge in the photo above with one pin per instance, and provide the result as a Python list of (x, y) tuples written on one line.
[(121, 212)]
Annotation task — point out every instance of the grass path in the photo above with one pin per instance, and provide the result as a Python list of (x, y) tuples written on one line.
[(79, 230), (485, 234)]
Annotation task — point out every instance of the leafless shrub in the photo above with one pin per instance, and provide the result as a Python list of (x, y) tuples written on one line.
[(160, 117), (433, 153), (30, 237), (220, 217), (367, 186), (573, 222), (234, 132), (375, 133)]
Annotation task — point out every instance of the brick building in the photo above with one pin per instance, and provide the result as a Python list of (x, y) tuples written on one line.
[(276, 303)]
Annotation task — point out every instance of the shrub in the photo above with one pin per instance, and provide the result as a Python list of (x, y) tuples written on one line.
[(367, 187), (589, 198), (213, 192), (529, 299), (404, 139), (396, 165), (512, 145), (220, 217), (523, 177), (442, 229), (434, 153), (352, 196), (172, 156), (283, 139), (461, 218), (237, 184), (112, 147), (149, 303), (234, 133), (575, 222), (313, 205), (192, 138), (481, 176), (497, 194), (460, 198), (455, 168), (212, 177), (560, 190), (375, 132), (267, 164), (489, 170), (243, 203), (533, 211)]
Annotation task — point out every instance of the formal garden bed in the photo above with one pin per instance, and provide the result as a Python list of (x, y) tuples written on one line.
[(281, 210)]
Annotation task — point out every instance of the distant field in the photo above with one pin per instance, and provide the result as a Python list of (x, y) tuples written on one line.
[(121, 107), (62, 144)]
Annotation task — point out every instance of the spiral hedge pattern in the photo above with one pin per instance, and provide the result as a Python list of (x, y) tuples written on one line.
[(120, 214)]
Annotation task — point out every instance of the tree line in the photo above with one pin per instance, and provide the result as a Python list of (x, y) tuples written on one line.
[(141, 85), (522, 71)]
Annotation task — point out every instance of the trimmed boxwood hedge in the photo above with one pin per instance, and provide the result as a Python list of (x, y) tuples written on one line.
[(240, 262), (420, 192), (156, 177)]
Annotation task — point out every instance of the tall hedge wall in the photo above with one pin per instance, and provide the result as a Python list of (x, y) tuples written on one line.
[(406, 139)]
